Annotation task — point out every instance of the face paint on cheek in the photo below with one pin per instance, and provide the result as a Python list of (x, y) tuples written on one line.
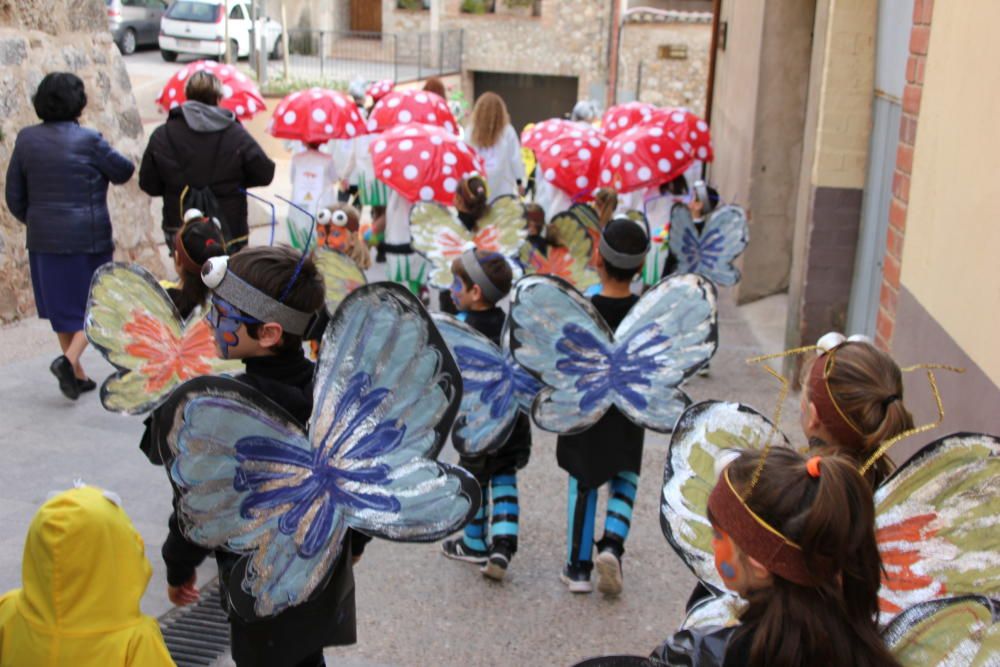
[(456, 290), (725, 557), (225, 319)]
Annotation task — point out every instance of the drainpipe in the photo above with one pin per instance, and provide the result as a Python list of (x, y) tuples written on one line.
[(710, 91), (614, 44)]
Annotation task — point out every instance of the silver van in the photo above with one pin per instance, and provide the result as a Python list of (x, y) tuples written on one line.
[(135, 22)]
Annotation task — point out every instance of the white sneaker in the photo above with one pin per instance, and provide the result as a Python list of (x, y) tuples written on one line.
[(609, 573), (576, 581)]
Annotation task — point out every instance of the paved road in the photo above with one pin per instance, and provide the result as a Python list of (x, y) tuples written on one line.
[(415, 608)]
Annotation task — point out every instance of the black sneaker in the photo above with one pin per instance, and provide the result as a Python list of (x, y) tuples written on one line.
[(576, 578), (86, 385), (496, 566), (457, 550), (609, 572), (63, 370)]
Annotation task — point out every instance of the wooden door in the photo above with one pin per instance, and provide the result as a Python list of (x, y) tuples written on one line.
[(366, 15)]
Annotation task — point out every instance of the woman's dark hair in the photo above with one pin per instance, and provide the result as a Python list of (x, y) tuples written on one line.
[(471, 196), (868, 387), (494, 266), (626, 237), (832, 518), (436, 86), (270, 269), (60, 96), (202, 240), (204, 87)]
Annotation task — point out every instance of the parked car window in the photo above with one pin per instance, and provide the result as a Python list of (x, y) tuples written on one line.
[(156, 4), (132, 3), (236, 13), (201, 12)]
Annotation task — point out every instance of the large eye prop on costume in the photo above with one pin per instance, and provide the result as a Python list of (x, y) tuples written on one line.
[(323, 217), (340, 218), (834, 339), (192, 214), (214, 270)]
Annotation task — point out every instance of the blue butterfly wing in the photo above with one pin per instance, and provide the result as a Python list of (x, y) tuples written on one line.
[(712, 252), (489, 403), (386, 394), (558, 336), (668, 335), (244, 471), (526, 387)]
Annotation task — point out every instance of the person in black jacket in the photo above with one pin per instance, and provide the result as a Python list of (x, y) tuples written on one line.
[(278, 368), (57, 184), (611, 449), (481, 280), (203, 146)]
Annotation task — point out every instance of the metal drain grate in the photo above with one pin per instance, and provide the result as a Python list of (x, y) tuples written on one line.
[(199, 634)]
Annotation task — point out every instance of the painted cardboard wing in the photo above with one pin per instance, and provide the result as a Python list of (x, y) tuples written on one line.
[(561, 339), (954, 631), (495, 388), (441, 237), (712, 251), (936, 515), (253, 482), (133, 323), (341, 275), (569, 259)]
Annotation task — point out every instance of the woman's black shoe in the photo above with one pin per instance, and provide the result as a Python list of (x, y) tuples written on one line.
[(86, 385), (63, 370)]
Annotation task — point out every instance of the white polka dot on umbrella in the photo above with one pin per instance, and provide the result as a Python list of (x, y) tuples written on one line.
[(642, 158), (691, 130), (239, 94), (569, 155), (621, 117), (380, 89), (545, 131), (400, 107), (428, 161), (322, 115)]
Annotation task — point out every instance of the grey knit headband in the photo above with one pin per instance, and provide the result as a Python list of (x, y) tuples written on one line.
[(251, 300), (476, 274)]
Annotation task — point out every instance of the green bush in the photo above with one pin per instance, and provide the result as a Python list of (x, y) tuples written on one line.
[(477, 6), (411, 4), (280, 87)]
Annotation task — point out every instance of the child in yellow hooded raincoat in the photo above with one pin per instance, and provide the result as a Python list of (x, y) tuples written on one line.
[(83, 574)]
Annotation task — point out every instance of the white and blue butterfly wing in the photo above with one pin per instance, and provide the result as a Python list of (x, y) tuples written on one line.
[(561, 339), (526, 386), (489, 401), (668, 335), (712, 252), (387, 392), (244, 472)]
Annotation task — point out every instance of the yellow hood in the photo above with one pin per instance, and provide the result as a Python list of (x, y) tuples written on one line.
[(84, 568)]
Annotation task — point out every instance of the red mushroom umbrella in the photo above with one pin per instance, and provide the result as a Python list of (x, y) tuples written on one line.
[(239, 92), (619, 118), (643, 156), (380, 89), (316, 116), (547, 130), (690, 130), (401, 107), (572, 161), (423, 162)]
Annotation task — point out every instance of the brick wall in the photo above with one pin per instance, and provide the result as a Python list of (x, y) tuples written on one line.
[(920, 36)]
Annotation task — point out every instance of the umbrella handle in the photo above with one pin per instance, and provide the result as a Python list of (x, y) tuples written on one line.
[(274, 214)]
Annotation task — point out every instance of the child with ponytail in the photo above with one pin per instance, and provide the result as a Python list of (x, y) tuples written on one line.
[(798, 543), (852, 400), (199, 240)]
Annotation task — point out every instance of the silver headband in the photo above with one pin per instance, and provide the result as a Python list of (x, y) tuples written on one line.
[(620, 259), (476, 274), (251, 300)]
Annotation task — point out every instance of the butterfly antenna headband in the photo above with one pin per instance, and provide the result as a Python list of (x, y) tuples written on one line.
[(305, 248), (270, 204), (885, 446)]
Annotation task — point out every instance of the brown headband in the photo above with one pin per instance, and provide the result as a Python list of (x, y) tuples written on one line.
[(827, 408), (186, 262), (757, 538)]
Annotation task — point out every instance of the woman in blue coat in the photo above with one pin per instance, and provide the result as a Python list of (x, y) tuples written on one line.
[(57, 184)]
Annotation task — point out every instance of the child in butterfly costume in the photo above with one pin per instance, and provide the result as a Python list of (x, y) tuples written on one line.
[(706, 239), (600, 362), (279, 505)]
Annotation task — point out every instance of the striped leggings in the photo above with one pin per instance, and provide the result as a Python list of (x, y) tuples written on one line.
[(489, 528), (583, 511)]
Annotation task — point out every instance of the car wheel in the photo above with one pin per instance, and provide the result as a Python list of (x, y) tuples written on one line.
[(127, 44), (279, 49), (169, 56)]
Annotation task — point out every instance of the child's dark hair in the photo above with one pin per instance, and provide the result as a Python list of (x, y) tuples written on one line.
[(867, 386), (494, 266), (270, 269), (535, 215), (472, 195), (626, 237), (832, 518), (201, 240), (678, 186)]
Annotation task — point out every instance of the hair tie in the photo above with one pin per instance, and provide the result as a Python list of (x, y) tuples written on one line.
[(812, 467), (890, 400)]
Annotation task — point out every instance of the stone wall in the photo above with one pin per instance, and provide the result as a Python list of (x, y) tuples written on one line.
[(664, 81), (42, 36)]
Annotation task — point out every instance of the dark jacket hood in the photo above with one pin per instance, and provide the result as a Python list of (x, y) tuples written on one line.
[(204, 118)]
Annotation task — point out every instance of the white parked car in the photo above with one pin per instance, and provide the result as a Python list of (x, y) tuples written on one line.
[(198, 27)]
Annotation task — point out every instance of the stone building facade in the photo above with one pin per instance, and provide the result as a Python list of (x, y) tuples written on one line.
[(42, 36)]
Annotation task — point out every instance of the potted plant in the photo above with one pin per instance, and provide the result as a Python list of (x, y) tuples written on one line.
[(518, 7), (478, 6), (413, 4)]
